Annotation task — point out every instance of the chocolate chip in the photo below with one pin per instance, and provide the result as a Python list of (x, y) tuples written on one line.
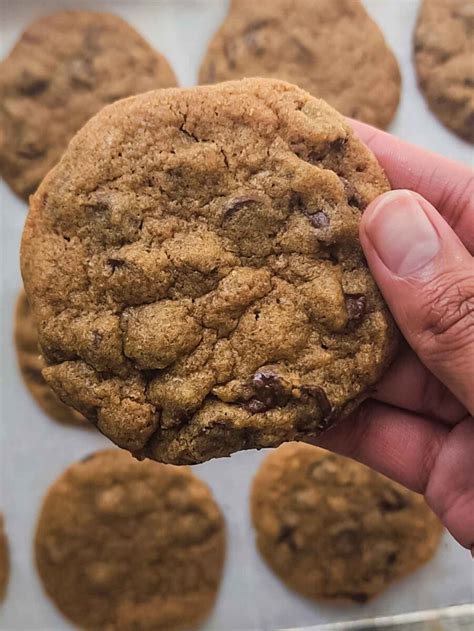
[(333, 147), (392, 501), (115, 263), (320, 395), (230, 53), (392, 557), (286, 536), (31, 86), (236, 203), (353, 197), (250, 37), (30, 151), (356, 305), (254, 406), (269, 392), (319, 219)]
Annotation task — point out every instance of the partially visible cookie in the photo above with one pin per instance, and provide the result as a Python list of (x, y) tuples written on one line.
[(4, 560), (31, 364), (124, 545), (212, 295), (65, 68), (334, 529), (444, 58), (332, 48)]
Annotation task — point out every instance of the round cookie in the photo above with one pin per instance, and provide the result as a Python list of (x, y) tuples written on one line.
[(332, 48), (65, 68), (4, 560), (211, 296), (124, 545), (444, 58), (333, 529), (31, 364)]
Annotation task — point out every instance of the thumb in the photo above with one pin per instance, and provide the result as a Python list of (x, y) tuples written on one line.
[(427, 278)]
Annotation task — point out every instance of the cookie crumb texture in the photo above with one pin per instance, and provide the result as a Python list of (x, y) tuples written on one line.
[(31, 363), (63, 70), (194, 267), (332, 48), (124, 545), (4, 561), (444, 58), (333, 529)]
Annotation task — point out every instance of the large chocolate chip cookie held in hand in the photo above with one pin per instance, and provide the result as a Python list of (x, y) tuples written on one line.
[(194, 266)]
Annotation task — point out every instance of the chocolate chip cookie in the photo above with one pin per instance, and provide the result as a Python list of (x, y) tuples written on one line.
[(4, 560), (65, 68), (31, 364), (334, 529), (125, 545), (332, 48), (444, 58), (194, 267)]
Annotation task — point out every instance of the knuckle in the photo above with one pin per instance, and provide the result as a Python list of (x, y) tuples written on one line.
[(448, 302)]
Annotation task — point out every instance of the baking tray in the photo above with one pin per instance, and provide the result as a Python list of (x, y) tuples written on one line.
[(34, 450)]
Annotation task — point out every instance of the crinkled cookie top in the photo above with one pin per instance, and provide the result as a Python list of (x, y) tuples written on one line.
[(194, 269)]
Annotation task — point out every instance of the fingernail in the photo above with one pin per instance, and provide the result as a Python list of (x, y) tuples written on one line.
[(401, 233)]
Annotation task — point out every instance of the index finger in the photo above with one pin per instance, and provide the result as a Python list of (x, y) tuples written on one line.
[(448, 185)]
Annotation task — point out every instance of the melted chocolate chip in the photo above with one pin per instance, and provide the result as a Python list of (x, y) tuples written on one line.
[(320, 395), (269, 392), (254, 406), (335, 146), (356, 305), (319, 219), (392, 557), (353, 197)]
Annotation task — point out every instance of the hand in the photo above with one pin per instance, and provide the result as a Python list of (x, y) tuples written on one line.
[(418, 429)]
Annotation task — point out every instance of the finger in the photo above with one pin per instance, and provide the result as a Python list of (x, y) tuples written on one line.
[(427, 278), (448, 185), (397, 443), (450, 489), (423, 455), (408, 384)]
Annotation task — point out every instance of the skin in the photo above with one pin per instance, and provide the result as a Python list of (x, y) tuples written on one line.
[(418, 428)]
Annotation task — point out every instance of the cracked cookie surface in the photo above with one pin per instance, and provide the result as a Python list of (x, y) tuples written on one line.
[(333, 529), (63, 70), (4, 560), (444, 59), (194, 267), (31, 364), (332, 48), (125, 545)]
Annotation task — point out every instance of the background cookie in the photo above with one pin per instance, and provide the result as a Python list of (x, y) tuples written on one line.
[(331, 48), (4, 560), (122, 544), (229, 306), (65, 68), (31, 364), (334, 529), (444, 57)]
